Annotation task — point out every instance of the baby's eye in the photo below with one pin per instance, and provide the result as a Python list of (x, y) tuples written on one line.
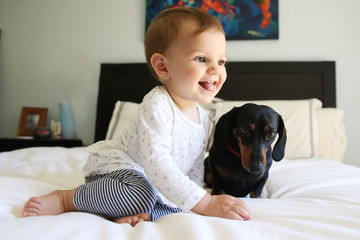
[(221, 62), (201, 59)]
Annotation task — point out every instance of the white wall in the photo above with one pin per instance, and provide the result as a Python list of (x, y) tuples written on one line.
[(51, 51)]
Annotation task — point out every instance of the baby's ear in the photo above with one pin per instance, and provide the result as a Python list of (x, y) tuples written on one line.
[(158, 62)]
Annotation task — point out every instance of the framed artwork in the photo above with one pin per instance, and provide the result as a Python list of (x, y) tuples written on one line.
[(30, 119), (241, 19)]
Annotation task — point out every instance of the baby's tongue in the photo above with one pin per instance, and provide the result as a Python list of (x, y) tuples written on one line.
[(208, 86)]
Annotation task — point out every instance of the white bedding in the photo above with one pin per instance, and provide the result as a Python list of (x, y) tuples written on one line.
[(303, 199)]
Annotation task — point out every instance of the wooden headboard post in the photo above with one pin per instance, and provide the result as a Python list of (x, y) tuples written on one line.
[(245, 81), (125, 82)]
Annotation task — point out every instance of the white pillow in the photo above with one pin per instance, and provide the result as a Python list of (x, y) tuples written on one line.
[(331, 131), (124, 111), (304, 119), (210, 110), (121, 117), (299, 119)]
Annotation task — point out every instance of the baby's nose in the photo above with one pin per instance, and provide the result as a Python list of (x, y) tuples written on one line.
[(213, 69)]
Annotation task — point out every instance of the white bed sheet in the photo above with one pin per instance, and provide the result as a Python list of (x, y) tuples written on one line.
[(303, 199)]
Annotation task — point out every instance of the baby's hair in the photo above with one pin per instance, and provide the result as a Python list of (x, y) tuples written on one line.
[(164, 29)]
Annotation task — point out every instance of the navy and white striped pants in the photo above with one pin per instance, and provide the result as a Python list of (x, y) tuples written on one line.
[(119, 194)]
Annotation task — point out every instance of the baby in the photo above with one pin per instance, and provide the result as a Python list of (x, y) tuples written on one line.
[(156, 167)]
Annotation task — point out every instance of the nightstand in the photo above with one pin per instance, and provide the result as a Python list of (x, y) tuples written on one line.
[(8, 144)]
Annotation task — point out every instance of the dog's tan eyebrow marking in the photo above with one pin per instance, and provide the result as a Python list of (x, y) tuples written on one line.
[(252, 127), (266, 128)]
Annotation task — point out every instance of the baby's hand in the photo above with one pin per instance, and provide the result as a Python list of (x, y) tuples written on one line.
[(224, 206)]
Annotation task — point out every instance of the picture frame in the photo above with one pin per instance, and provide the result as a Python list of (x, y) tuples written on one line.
[(30, 119), (241, 19)]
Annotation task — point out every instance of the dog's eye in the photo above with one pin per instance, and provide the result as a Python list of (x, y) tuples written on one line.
[(244, 131), (270, 135)]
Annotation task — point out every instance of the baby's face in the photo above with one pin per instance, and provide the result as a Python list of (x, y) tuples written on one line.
[(196, 65)]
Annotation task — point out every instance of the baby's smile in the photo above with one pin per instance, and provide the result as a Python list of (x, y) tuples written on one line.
[(208, 85)]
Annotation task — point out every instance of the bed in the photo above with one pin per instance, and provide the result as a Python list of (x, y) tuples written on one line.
[(310, 194)]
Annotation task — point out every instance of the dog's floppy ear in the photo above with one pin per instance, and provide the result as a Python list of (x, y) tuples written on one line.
[(279, 148), (223, 129)]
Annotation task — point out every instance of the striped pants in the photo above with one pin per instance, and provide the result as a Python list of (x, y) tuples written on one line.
[(119, 194)]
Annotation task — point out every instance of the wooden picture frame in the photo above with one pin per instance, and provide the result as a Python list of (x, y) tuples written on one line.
[(30, 119)]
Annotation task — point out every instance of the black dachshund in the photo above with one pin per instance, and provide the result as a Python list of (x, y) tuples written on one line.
[(241, 155)]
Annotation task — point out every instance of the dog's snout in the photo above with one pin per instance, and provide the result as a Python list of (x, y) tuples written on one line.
[(255, 167)]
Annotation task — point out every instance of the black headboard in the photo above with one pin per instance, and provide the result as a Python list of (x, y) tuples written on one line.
[(245, 81)]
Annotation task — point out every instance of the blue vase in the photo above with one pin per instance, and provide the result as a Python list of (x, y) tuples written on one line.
[(67, 121)]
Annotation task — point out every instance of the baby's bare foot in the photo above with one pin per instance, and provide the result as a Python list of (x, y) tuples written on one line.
[(54, 203), (133, 220)]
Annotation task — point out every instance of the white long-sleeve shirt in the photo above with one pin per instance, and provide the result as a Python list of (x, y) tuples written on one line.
[(164, 145)]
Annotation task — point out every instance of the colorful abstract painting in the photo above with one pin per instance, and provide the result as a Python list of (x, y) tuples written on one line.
[(241, 19)]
